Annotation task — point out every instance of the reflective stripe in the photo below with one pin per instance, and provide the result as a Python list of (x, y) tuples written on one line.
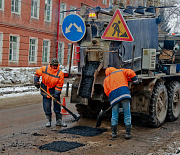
[(135, 81), (113, 73), (118, 98), (45, 72), (58, 87), (117, 71), (58, 72)]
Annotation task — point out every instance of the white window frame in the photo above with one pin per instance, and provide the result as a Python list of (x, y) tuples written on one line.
[(33, 8), (50, 11), (72, 8), (48, 51), (145, 3), (105, 2), (61, 62), (2, 4), (63, 14), (1, 45), (110, 2), (11, 44), (69, 52), (35, 51), (19, 6)]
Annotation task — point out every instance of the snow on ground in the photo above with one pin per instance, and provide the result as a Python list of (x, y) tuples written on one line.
[(24, 91), (20, 81)]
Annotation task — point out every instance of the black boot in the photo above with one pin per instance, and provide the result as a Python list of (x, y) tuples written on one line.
[(49, 120), (128, 131), (59, 121), (114, 131)]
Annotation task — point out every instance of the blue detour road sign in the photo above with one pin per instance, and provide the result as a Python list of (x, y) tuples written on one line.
[(73, 27)]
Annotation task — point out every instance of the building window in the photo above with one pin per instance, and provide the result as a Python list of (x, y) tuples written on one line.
[(60, 53), (16, 6), (48, 10), (46, 51), (33, 50), (14, 48), (35, 9), (105, 2), (145, 3), (69, 52), (2, 5), (63, 14), (73, 8), (1, 45), (110, 2)]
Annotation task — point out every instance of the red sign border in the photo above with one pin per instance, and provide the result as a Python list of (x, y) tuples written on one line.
[(125, 26)]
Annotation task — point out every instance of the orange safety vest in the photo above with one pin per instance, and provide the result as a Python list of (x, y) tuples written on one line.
[(51, 78), (116, 83)]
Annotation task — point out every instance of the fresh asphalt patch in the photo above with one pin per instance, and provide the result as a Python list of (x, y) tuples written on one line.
[(85, 131), (61, 146)]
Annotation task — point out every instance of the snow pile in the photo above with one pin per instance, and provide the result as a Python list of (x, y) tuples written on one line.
[(16, 76), (21, 80), (23, 76)]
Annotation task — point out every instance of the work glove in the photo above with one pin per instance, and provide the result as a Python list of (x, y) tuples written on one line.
[(37, 85)]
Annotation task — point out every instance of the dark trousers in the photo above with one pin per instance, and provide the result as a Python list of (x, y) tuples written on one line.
[(47, 102)]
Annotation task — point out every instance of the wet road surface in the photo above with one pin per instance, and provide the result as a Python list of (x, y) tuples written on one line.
[(23, 131)]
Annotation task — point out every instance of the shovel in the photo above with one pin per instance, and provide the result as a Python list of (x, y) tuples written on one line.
[(70, 112), (99, 118)]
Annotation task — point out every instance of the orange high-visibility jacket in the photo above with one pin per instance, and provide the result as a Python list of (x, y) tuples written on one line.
[(52, 80), (116, 83)]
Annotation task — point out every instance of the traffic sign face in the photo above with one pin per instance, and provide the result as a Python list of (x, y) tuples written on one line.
[(73, 27), (117, 29)]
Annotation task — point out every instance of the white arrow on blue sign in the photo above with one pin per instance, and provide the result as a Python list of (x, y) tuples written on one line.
[(73, 27)]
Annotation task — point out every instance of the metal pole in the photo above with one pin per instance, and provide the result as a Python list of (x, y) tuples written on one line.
[(59, 6), (70, 58), (132, 63), (67, 89)]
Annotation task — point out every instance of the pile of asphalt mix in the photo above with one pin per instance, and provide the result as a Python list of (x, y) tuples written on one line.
[(84, 131), (87, 79), (61, 146)]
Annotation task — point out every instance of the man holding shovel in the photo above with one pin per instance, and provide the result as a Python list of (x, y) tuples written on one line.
[(116, 88), (52, 83)]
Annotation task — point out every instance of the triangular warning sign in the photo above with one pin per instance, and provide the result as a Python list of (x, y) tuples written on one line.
[(117, 29)]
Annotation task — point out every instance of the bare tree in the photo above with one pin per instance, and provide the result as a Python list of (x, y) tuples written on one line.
[(170, 16)]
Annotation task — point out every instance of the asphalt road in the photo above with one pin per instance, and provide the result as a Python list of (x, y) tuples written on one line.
[(23, 131)]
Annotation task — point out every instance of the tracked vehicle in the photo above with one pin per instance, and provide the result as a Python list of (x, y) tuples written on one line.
[(157, 97)]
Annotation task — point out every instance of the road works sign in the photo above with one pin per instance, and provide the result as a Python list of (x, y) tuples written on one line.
[(117, 29), (73, 27)]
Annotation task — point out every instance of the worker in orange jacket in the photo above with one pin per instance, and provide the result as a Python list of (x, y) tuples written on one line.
[(52, 82), (116, 88)]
